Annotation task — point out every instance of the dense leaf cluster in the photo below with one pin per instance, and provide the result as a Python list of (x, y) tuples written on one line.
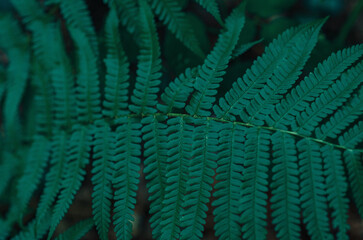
[(273, 133)]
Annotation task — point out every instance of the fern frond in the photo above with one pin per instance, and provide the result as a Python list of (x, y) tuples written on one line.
[(200, 178), (144, 96), (77, 16), (34, 230), (102, 178), (337, 186), (154, 135), (126, 175), (43, 100), (117, 71), (245, 88), (77, 231), (328, 101), (129, 12), (78, 154), (46, 43), (342, 118), (179, 153), (254, 189), (312, 86), (353, 136), (34, 168), (285, 200), (54, 176), (87, 91), (213, 68), (212, 7), (176, 94), (29, 10), (170, 13), (62, 81), (241, 49), (313, 190), (229, 173), (353, 161), (283, 77)]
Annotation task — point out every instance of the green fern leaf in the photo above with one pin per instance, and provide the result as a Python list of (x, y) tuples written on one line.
[(254, 189), (35, 164), (144, 97), (176, 94), (336, 189), (87, 92), (43, 101), (170, 13), (77, 231), (241, 49), (283, 77), (179, 153), (352, 136), (129, 12), (102, 178), (34, 230), (62, 82), (29, 10), (255, 78), (285, 202), (54, 176), (353, 161), (77, 16), (212, 7), (126, 175), (342, 118), (229, 174), (200, 178), (312, 86), (328, 101), (213, 68), (78, 154), (154, 136), (313, 190), (117, 73)]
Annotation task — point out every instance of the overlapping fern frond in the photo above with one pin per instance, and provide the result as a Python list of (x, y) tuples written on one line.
[(275, 140)]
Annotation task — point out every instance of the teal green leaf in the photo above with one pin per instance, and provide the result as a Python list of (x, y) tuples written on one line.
[(337, 186), (126, 158), (144, 96), (77, 231), (117, 71), (200, 178), (285, 200), (253, 198), (103, 167), (229, 176), (78, 154), (353, 161), (213, 68), (212, 7), (171, 14), (154, 135), (36, 161), (313, 190)]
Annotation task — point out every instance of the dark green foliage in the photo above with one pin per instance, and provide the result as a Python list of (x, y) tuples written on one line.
[(285, 200), (126, 158), (72, 109)]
